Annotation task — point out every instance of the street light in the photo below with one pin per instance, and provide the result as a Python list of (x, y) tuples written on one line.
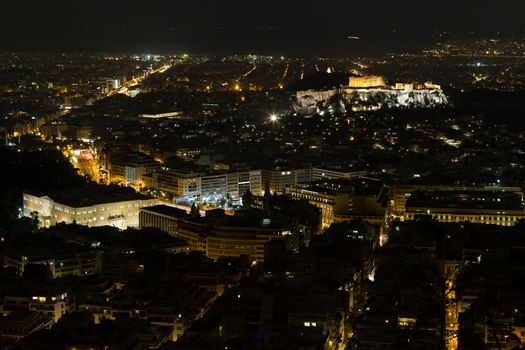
[(273, 118)]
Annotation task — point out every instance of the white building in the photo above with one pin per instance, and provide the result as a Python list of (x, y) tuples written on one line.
[(121, 214)]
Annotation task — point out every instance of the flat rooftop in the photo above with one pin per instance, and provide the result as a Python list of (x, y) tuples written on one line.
[(166, 210), (250, 219), (352, 186), (490, 200), (134, 159), (92, 194)]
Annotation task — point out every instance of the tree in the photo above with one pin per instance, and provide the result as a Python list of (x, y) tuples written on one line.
[(267, 192), (247, 199), (34, 215), (194, 211), (229, 200)]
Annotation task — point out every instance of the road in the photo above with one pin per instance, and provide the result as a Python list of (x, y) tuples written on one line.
[(451, 317), (124, 89), (90, 169), (84, 161), (250, 71)]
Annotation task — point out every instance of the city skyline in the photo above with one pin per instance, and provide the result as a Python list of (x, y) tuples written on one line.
[(277, 175)]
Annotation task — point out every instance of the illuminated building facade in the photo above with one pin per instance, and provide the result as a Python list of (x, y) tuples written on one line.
[(219, 235), (317, 95), (367, 93), (189, 185), (483, 207), (214, 187), (162, 217), (120, 214), (399, 194), (278, 179), (50, 304), (222, 240), (404, 86), (242, 181), (366, 81), (342, 200), (179, 184), (211, 188), (130, 170)]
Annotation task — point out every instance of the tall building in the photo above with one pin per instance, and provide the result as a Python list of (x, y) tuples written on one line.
[(278, 179), (214, 187), (178, 183), (343, 200), (241, 181), (130, 169), (191, 185)]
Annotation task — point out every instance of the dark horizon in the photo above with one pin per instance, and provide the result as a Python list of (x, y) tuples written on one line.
[(271, 28)]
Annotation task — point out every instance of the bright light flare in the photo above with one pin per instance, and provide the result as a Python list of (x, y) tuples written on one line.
[(274, 118)]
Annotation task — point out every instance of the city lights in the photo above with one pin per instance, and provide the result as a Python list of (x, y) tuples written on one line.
[(289, 184)]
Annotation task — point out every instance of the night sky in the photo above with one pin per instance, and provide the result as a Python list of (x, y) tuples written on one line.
[(286, 27)]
